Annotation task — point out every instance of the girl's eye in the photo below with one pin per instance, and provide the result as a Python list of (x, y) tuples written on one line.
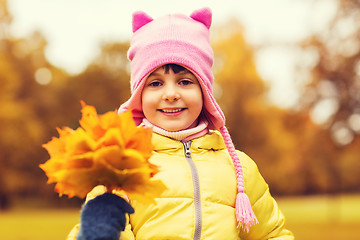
[(185, 82), (154, 84)]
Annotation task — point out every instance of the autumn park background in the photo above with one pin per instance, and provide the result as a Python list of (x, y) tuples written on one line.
[(312, 165)]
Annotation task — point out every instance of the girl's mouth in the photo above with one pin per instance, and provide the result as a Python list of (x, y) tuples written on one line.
[(172, 110)]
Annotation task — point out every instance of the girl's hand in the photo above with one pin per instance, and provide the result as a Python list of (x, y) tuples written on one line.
[(103, 217)]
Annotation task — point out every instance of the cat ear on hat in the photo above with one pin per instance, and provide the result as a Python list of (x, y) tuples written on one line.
[(140, 19), (202, 15)]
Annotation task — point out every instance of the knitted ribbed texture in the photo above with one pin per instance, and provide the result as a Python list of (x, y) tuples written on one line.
[(183, 135), (244, 212), (175, 39)]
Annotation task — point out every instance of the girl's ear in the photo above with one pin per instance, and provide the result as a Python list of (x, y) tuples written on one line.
[(140, 19), (202, 15)]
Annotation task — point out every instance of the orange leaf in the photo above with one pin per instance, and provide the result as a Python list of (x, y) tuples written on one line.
[(107, 150)]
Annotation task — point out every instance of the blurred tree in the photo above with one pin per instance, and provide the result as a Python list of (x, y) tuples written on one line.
[(315, 155), (240, 90), (106, 81), (36, 97), (349, 167), (5, 20), (23, 129), (329, 71), (294, 154), (20, 129), (256, 126), (332, 74)]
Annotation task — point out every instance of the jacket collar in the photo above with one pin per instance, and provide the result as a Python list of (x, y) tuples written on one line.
[(211, 141)]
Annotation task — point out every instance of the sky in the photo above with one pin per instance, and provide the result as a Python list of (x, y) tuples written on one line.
[(75, 29)]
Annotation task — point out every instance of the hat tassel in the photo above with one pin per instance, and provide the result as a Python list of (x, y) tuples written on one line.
[(244, 213)]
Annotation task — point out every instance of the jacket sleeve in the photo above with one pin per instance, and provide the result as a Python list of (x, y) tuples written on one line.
[(127, 234), (271, 223)]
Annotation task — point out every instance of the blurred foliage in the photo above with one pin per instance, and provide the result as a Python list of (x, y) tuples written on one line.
[(330, 73), (329, 78), (280, 141), (295, 154)]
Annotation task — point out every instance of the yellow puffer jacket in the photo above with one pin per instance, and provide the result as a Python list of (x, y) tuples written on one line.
[(200, 199)]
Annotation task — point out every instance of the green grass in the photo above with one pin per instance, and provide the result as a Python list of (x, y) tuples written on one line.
[(37, 224), (320, 217), (310, 218)]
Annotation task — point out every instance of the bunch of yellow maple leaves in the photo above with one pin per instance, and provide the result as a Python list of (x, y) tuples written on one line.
[(108, 150)]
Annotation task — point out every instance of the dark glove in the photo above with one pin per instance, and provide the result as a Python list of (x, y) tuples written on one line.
[(103, 218)]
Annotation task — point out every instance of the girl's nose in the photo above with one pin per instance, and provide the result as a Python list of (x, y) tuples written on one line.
[(170, 93)]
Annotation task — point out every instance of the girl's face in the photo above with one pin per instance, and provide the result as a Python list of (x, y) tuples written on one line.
[(172, 101)]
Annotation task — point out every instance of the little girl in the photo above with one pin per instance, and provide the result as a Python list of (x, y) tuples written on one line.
[(213, 191)]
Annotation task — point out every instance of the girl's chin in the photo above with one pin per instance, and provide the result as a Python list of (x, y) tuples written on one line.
[(171, 129), (174, 129)]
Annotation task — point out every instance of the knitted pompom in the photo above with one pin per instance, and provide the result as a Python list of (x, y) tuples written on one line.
[(203, 15), (140, 19)]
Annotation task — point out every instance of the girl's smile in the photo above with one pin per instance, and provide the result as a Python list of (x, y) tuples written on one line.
[(172, 101), (172, 112)]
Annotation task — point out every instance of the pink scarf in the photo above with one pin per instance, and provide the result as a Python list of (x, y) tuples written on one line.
[(182, 135)]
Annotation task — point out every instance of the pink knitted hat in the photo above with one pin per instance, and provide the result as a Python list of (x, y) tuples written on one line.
[(182, 40)]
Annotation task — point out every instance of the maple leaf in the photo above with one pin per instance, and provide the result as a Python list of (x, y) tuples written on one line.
[(108, 150)]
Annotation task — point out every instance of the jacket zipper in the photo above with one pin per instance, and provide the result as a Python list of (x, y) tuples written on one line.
[(196, 184)]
